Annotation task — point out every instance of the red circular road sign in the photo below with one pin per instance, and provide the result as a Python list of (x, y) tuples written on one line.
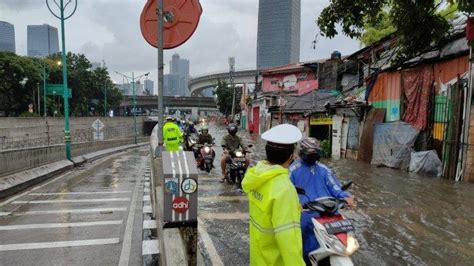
[(181, 20), (180, 204)]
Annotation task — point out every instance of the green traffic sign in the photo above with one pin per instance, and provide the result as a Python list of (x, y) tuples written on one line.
[(57, 89)]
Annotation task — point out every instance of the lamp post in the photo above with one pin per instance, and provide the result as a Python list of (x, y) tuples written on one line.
[(62, 7), (105, 99), (45, 76), (135, 135)]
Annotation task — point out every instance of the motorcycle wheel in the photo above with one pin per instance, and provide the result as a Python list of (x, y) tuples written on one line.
[(208, 167)]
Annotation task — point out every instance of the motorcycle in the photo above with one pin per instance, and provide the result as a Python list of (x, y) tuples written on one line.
[(333, 231), (236, 167), (205, 158), (191, 142)]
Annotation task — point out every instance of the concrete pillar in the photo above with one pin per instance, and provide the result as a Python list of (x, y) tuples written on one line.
[(194, 111)]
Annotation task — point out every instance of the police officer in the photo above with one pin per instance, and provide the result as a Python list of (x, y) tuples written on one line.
[(275, 212), (172, 135)]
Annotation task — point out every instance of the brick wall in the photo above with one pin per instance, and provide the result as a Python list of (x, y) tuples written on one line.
[(470, 153)]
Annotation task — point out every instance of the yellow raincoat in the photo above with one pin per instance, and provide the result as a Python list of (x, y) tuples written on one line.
[(172, 136), (275, 212)]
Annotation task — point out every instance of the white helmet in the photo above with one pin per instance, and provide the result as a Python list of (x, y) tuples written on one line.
[(283, 134)]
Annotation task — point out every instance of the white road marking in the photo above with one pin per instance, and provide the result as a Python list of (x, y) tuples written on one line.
[(146, 198), (127, 237), (147, 209), (57, 225), (208, 245), (71, 211), (69, 201), (150, 247), (149, 224), (80, 193), (59, 244), (146, 190), (147, 185), (223, 198), (5, 213)]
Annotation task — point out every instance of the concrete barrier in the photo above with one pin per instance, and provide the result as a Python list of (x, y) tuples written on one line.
[(16, 160), (14, 183), (177, 245)]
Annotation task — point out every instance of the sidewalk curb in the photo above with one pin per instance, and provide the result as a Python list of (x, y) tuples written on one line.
[(17, 182)]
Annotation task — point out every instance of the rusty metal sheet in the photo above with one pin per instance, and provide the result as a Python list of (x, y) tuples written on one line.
[(374, 116)]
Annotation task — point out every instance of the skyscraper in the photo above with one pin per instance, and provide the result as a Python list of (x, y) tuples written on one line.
[(149, 84), (176, 83), (42, 40), (7, 37), (278, 40)]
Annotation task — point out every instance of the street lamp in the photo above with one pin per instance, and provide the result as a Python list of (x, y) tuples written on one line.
[(45, 76), (134, 100), (62, 8)]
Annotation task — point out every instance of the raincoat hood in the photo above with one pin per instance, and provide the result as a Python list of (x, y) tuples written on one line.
[(261, 174)]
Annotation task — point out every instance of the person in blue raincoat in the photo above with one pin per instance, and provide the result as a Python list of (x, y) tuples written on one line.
[(318, 181)]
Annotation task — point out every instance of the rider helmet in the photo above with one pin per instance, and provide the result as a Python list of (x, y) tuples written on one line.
[(169, 118), (310, 151), (205, 130), (232, 129)]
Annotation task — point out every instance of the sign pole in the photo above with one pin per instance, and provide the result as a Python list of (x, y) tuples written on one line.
[(160, 22)]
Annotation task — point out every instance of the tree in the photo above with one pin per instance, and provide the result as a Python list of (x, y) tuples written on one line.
[(224, 95), (418, 23), (87, 84), (20, 77)]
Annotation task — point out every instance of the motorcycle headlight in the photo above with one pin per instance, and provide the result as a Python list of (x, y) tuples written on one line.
[(207, 149), (192, 141), (352, 245), (238, 154)]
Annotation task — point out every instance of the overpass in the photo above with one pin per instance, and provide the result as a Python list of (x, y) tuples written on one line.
[(194, 105), (198, 84)]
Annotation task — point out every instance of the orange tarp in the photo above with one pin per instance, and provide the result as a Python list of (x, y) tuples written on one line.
[(386, 87), (449, 70)]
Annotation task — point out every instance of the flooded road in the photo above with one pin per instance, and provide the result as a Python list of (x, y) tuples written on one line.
[(400, 218)]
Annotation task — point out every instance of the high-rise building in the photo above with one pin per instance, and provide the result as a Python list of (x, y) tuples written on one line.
[(42, 40), (127, 89), (7, 37), (278, 38), (149, 84), (176, 83)]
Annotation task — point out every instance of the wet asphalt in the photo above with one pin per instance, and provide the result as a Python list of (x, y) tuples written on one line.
[(78, 218), (400, 218)]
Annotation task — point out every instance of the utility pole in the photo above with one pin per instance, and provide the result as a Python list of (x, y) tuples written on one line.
[(160, 22), (105, 99), (231, 74), (62, 7)]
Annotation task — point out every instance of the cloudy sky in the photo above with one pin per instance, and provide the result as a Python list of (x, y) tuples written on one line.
[(109, 30)]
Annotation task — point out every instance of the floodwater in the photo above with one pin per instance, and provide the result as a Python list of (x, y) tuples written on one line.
[(400, 218)]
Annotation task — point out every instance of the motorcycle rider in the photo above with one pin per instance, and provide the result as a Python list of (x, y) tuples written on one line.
[(189, 129), (172, 135), (275, 231), (232, 142), (206, 138), (318, 181)]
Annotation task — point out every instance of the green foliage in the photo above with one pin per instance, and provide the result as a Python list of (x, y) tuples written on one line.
[(325, 148), (28, 114), (375, 32), (86, 83), (418, 23), (224, 98)]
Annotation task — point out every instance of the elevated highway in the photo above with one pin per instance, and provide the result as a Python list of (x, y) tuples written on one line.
[(198, 84)]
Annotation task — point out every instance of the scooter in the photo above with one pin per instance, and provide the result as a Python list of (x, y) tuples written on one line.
[(334, 232), (236, 168), (191, 142), (205, 158)]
